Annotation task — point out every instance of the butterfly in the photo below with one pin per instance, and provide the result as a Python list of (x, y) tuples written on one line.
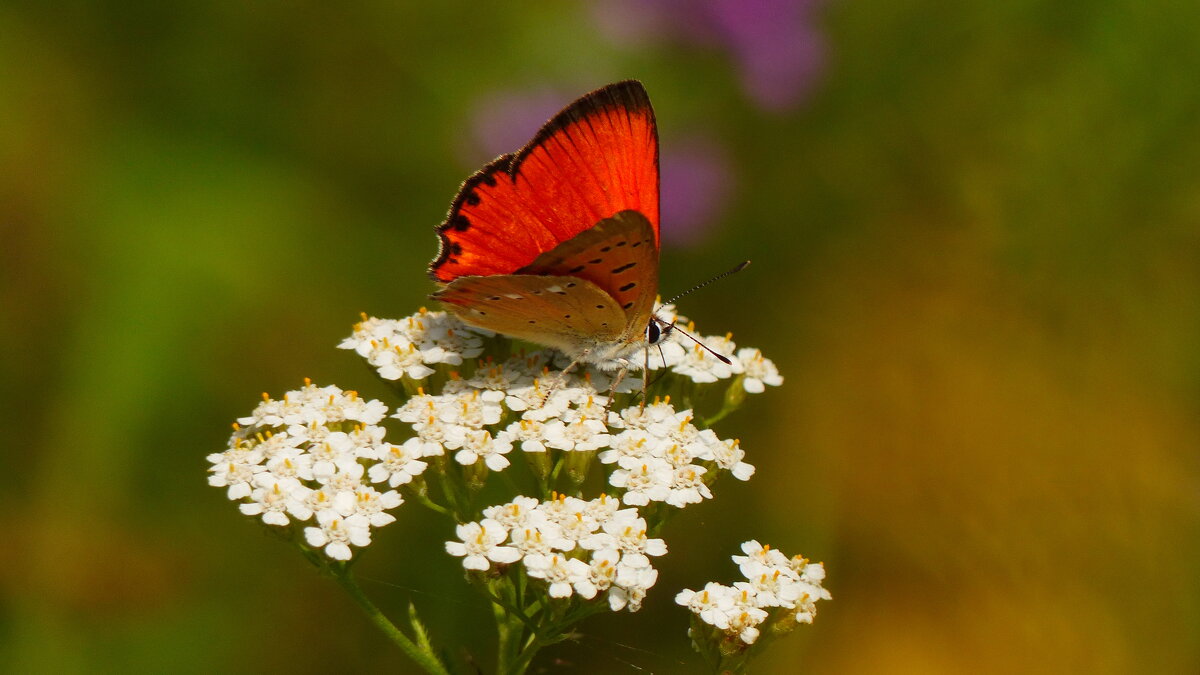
[(558, 243)]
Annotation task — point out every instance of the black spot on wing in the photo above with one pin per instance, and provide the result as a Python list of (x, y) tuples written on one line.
[(622, 268), (627, 286)]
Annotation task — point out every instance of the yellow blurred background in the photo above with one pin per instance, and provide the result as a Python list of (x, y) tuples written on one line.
[(976, 239)]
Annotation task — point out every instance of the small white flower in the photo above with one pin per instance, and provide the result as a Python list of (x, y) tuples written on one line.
[(758, 371), (586, 403), (237, 476), (401, 359), (563, 575), (771, 587), (398, 464), (638, 417), (273, 443), (580, 436), (541, 401), (626, 534), (536, 543), (678, 456), (240, 451), (497, 380), (712, 604), (336, 534), (634, 443), (703, 367), (316, 501), (575, 529), (644, 480), (481, 445), (291, 463), (481, 544), (336, 450), (604, 568), (603, 508), (274, 499), (745, 623), (728, 455), (520, 512), (357, 409), (398, 347), (529, 433), (631, 597), (758, 553), (688, 486), (419, 408), (342, 475), (364, 439), (439, 436), (562, 508), (369, 503), (470, 409)]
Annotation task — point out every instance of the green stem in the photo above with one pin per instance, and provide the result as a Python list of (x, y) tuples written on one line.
[(432, 505), (525, 657), (426, 660)]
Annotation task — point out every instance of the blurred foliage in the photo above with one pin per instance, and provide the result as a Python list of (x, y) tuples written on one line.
[(976, 261)]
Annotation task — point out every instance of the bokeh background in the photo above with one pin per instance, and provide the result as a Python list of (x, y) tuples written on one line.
[(975, 229)]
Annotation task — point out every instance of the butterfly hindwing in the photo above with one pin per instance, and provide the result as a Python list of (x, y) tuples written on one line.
[(567, 313), (594, 159), (619, 256)]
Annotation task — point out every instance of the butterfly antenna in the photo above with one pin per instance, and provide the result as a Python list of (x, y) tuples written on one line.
[(724, 359), (740, 266)]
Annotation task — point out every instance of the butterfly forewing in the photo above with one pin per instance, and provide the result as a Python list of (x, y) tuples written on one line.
[(570, 314), (594, 159), (619, 256)]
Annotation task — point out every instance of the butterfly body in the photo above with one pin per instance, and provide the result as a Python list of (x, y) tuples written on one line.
[(558, 243)]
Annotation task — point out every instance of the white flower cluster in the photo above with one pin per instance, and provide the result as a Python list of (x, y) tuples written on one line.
[(319, 454), (577, 547), (407, 347), (312, 456), (656, 453), (776, 588)]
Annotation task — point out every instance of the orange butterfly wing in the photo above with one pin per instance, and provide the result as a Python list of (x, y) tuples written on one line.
[(594, 159)]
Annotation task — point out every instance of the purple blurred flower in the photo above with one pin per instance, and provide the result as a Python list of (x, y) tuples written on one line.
[(696, 185), (695, 175), (778, 51), (505, 121)]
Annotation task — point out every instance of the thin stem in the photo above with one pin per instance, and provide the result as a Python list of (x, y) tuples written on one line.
[(426, 660), (432, 505)]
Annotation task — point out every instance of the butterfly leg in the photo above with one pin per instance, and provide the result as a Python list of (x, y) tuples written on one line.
[(612, 390), (561, 380)]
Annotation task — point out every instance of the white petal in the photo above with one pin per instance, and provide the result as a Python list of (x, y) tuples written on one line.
[(338, 551)]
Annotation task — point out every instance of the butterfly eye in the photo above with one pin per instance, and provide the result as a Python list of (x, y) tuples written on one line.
[(653, 334)]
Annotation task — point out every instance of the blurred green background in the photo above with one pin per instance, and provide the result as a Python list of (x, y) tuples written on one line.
[(975, 229)]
